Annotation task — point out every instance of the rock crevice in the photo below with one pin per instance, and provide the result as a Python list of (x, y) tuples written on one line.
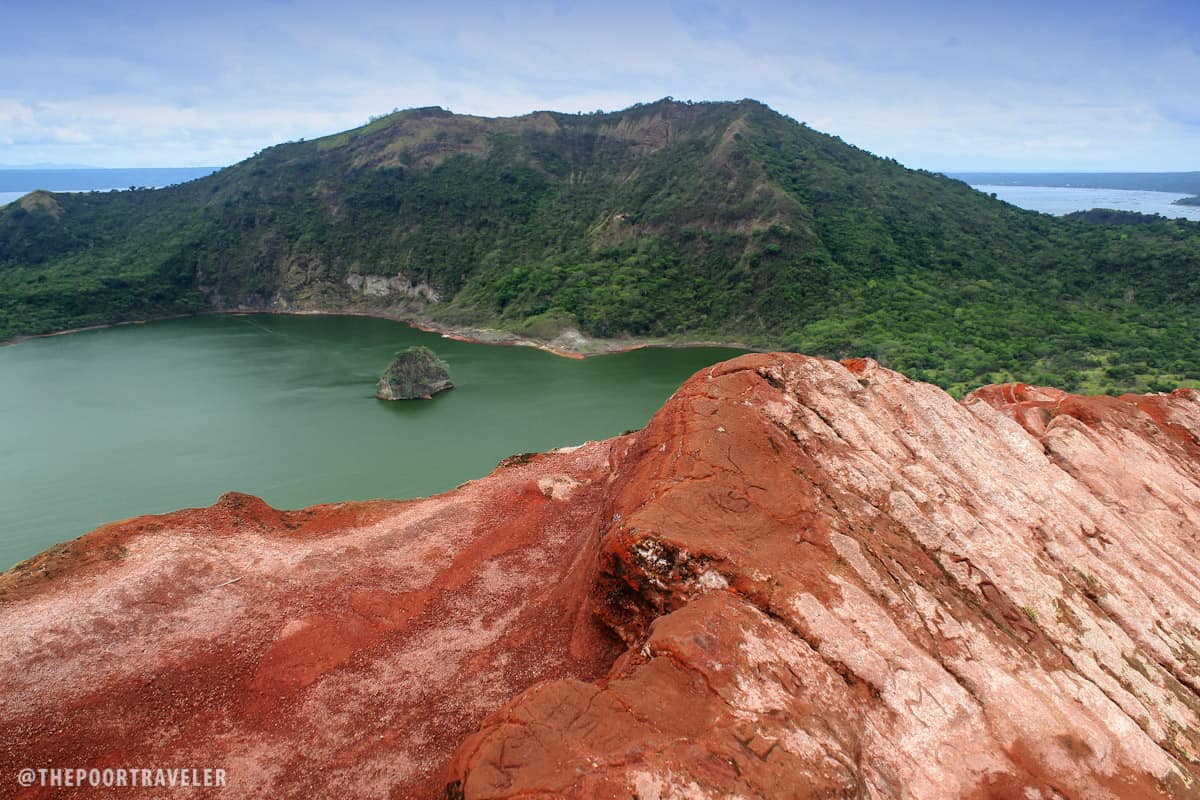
[(902, 540), (802, 578)]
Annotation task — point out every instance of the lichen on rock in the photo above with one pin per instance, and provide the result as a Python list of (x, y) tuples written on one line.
[(415, 373)]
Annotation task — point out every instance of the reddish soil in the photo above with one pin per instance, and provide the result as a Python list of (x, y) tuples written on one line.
[(801, 579), (340, 651)]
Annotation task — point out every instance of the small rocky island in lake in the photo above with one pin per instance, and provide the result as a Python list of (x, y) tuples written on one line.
[(1188, 201), (415, 373)]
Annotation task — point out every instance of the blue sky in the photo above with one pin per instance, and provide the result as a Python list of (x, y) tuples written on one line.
[(941, 85)]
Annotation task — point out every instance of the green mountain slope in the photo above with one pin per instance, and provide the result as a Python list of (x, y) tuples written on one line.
[(667, 220)]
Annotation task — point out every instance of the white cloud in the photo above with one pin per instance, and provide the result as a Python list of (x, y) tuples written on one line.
[(940, 88)]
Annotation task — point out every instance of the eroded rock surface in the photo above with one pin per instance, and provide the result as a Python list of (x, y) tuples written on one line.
[(343, 651), (836, 582), (801, 579)]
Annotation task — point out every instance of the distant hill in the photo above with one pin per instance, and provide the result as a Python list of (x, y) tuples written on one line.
[(1183, 182), (665, 221)]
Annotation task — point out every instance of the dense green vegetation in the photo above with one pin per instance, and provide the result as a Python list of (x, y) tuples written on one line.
[(414, 372), (669, 220)]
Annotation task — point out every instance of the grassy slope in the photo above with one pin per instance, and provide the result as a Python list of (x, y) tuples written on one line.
[(715, 220)]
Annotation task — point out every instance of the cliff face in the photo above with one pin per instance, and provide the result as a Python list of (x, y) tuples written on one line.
[(801, 579), (721, 221)]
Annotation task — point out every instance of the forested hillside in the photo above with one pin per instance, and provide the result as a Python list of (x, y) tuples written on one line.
[(665, 221)]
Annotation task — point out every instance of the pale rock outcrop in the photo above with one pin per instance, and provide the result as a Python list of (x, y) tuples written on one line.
[(924, 600), (398, 285), (802, 578)]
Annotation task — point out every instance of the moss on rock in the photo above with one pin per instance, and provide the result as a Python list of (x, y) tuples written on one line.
[(415, 373)]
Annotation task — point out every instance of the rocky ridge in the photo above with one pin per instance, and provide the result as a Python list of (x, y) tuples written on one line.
[(802, 578), (664, 222)]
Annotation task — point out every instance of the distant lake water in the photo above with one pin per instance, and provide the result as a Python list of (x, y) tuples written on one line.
[(1059, 200), (16, 183), (101, 425)]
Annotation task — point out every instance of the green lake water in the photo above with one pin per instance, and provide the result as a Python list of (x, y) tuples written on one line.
[(102, 425)]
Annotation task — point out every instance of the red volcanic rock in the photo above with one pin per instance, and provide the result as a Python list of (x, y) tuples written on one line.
[(834, 581), (801, 579), (343, 651)]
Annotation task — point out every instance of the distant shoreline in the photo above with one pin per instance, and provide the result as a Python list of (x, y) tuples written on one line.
[(1063, 200), (72, 180), (577, 346), (1169, 182)]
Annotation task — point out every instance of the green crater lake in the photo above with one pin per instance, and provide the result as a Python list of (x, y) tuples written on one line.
[(102, 425)]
